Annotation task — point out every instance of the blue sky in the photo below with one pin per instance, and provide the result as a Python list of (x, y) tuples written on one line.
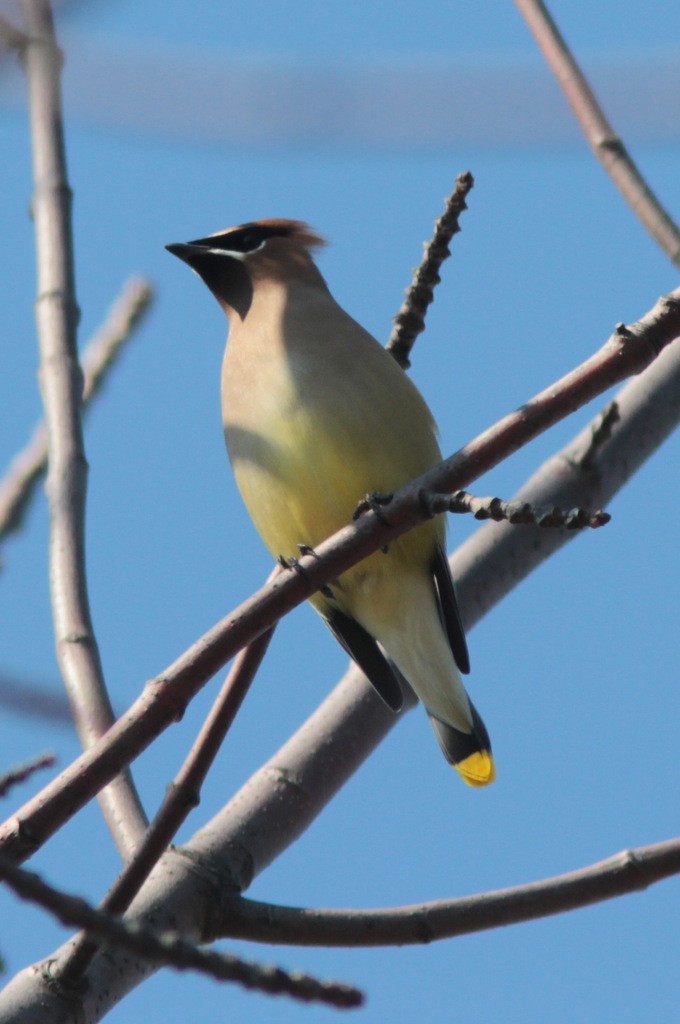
[(576, 672)]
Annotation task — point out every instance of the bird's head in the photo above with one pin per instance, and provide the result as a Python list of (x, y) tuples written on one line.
[(232, 262)]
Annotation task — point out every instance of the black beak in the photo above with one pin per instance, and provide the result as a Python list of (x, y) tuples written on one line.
[(183, 250)]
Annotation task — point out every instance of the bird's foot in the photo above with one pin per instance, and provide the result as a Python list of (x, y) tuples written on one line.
[(291, 563), (373, 502), (294, 564)]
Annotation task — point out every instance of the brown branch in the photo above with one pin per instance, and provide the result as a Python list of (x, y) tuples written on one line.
[(606, 144), (24, 771), (628, 351), (590, 469), (515, 512), (182, 796), (166, 950), (17, 488), (61, 384), (626, 872), (410, 320)]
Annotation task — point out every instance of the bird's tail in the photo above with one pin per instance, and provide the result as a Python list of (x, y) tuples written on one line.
[(469, 753), (403, 616)]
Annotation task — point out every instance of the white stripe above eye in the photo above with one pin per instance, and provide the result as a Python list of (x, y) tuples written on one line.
[(232, 253)]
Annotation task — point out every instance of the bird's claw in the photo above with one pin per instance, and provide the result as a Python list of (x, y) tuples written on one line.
[(291, 563), (294, 564), (373, 502)]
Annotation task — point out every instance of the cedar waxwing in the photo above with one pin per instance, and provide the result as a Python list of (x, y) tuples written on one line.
[(316, 415)]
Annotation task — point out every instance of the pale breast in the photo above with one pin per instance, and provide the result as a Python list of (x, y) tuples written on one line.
[(316, 415)]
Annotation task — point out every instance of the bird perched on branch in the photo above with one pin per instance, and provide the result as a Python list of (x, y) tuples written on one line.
[(317, 414)]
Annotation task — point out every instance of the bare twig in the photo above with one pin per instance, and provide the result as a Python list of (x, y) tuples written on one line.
[(10, 37), (590, 469), (629, 350), (24, 771), (167, 950), (61, 384), (18, 485), (515, 512), (606, 144), (628, 871), (600, 434), (122, 321), (181, 798), (410, 320), (27, 698)]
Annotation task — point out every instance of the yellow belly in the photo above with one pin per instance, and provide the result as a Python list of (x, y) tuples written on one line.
[(304, 483)]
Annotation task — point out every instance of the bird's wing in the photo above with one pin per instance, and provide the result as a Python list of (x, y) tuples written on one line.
[(448, 609), (361, 646)]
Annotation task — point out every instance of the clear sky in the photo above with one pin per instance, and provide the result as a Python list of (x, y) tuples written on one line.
[(576, 672)]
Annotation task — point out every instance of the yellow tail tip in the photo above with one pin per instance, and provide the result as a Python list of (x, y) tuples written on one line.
[(478, 769)]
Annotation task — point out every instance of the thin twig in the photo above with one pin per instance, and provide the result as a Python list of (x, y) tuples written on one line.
[(182, 796), (10, 37), (167, 950), (24, 771), (628, 871), (26, 698), (410, 320), (62, 385), (600, 434), (17, 487), (590, 469), (518, 513), (606, 144), (629, 350)]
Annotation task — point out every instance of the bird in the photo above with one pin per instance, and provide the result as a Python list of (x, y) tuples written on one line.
[(316, 415)]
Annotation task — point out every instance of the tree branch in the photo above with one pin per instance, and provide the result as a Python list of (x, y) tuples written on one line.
[(410, 320), (589, 470), (518, 513), (24, 771), (182, 796), (629, 350), (61, 384), (17, 488), (626, 872), (11, 37), (606, 144), (167, 950), (34, 701)]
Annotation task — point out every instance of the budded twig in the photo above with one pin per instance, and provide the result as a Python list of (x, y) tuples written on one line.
[(519, 513), (410, 320), (168, 950)]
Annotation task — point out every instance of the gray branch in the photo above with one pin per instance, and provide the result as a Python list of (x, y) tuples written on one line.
[(169, 950), (62, 386), (607, 146)]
